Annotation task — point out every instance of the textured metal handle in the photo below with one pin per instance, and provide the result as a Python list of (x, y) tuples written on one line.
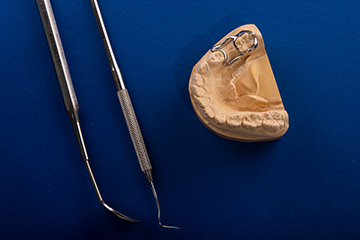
[(134, 130)]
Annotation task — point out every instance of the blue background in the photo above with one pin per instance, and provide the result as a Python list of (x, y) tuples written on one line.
[(304, 186)]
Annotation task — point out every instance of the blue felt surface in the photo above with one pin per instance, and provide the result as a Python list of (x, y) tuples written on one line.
[(304, 186)]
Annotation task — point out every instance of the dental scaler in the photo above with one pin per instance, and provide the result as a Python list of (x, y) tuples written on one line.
[(127, 109)]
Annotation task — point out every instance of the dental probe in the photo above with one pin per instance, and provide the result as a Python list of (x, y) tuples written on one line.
[(128, 109), (68, 92)]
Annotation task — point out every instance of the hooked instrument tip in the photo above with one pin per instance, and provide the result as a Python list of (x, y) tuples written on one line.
[(159, 210)]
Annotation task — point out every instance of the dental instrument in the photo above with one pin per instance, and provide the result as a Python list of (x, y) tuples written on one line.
[(128, 109), (68, 92)]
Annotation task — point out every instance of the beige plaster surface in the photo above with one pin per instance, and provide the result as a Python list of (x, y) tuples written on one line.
[(240, 101)]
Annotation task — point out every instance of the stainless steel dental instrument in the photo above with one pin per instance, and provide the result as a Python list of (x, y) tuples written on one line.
[(128, 109), (68, 92)]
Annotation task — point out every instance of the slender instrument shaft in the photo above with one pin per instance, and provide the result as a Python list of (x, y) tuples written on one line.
[(62, 70), (128, 110), (124, 98), (115, 70), (58, 56)]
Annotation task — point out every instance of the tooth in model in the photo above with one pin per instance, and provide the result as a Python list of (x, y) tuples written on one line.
[(273, 122), (202, 102), (199, 81), (198, 91), (252, 122), (220, 118), (235, 121)]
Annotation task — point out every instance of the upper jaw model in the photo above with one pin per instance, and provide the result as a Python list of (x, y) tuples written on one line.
[(234, 92)]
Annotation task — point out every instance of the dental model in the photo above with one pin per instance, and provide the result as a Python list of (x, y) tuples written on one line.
[(234, 92)]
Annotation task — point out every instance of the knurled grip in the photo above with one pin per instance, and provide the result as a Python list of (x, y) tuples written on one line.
[(134, 130)]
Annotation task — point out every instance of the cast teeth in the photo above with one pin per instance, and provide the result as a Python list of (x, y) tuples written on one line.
[(216, 58), (273, 122), (202, 102), (204, 68), (198, 91), (198, 79), (209, 112), (220, 118), (252, 122), (234, 121)]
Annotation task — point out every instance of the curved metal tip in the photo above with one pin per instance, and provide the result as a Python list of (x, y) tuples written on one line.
[(158, 207), (100, 199), (170, 227), (119, 215)]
